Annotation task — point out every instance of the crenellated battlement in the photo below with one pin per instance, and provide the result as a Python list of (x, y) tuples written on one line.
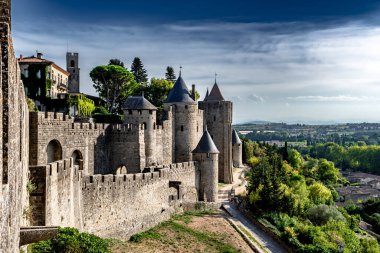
[(63, 168)]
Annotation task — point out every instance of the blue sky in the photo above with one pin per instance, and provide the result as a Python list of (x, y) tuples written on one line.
[(291, 61)]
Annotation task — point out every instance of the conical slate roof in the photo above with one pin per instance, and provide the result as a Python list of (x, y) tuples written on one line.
[(138, 103), (206, 145), (235, 138), (207, 94), (180, 93), (215, 94)]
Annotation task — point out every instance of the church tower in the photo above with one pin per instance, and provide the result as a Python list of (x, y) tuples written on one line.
[(72, 63), (218, 118)]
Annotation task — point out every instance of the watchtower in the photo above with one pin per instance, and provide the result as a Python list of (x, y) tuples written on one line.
[(206, 154), (5, 11), (139, 111), (72, 63), (218, 118), (188, 121)]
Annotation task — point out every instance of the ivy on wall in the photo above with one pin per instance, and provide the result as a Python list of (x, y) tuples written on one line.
[(85, 105)]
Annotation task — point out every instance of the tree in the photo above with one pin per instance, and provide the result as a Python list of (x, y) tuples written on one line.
[(139, 71), (114, 84), (116, 62), (320, 194), (157, 91), (170, 75)]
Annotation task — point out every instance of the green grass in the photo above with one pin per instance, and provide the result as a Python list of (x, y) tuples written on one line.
[(178, 225)]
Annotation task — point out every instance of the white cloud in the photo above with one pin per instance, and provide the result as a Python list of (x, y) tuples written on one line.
[(278, 62)]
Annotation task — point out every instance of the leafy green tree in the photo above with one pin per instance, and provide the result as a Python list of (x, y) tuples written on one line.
[(139, 71), (321, 214), (170, 75), (114, 84), (320, 194), (295, 158), (116, 62), (156, 91)]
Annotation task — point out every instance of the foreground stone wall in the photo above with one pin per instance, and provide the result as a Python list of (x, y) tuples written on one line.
[(57, 199), (13, 141), (119, 206)]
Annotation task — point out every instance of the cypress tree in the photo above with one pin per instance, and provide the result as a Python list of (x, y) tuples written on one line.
[(139, 71), (170, 75)]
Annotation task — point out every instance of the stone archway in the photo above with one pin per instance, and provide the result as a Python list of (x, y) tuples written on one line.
[(54, 151), (77, 158)]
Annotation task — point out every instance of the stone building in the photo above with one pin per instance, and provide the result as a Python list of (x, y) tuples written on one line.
[(218, 118), (72, 66), (113, 180), (237, 150)]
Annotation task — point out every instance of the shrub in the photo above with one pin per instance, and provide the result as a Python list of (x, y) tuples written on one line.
[(322, 214), (72, 241), (100, 110), (108, 118)]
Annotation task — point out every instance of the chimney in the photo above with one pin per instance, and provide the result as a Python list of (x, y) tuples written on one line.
[(21, 56), (39, 55), (193, 92)]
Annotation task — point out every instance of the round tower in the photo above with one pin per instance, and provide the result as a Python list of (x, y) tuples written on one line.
[(139, 111), (237, 150), (187, 121), (206, 154)]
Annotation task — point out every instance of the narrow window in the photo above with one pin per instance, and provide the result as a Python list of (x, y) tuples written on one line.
[(181, 128), (186, 106), (150, 112), (140, 112), (130, 111), (214, 118)]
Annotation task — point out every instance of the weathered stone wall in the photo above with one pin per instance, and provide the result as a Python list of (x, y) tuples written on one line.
[(57, 199), (126, 143), (208, 185), (13, 140), (119, 206), (218, 118), (187, 130), (237, 155)]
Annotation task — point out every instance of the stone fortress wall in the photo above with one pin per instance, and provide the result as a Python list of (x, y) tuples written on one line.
[(114, 206), (13, 140)]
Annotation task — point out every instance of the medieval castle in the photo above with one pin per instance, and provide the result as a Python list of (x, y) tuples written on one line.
[(111, 180)]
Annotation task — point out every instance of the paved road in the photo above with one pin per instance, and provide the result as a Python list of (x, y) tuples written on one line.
[(267, 244)]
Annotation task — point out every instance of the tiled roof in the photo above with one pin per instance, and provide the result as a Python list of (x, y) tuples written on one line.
[(215, 94), (206, 145), (235, 138), (179, 93), (138, 103), (33, 59)]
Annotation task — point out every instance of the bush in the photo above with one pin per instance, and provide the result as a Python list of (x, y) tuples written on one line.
[(72, 241), (322, 214), (108, 118), (100, 110)]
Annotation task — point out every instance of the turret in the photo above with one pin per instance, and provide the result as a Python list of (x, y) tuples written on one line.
[(72, 65), (206, 154), (187, 121), (237, 150), (139, 111), (218, 118)]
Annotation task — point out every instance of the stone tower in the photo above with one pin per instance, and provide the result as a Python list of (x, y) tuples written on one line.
[(206, 154), (218, 118), (72, 63), (187, 121), (139, 111), (5, 11), (237, 150)]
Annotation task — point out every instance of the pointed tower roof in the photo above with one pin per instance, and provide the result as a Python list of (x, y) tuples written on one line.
[(138, 103), (207, 94), (235, 138), (206, 145), (180, 93), (215, 94)]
